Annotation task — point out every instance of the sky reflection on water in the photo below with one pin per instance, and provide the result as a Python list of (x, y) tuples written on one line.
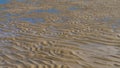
[(4, 1)]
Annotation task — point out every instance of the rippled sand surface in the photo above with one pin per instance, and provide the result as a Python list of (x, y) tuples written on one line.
[(60, 34)]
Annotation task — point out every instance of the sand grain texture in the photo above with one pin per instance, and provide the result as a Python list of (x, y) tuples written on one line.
[(60, 34)]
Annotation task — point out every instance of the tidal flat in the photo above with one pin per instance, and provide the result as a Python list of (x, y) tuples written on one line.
[(59, 34)]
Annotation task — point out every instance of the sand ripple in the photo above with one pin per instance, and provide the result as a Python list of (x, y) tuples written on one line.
[(60, 34)]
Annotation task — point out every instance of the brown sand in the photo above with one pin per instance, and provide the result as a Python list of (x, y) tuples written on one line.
[(75, 34)]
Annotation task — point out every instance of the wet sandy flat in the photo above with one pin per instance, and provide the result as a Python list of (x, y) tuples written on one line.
[(60, 34)]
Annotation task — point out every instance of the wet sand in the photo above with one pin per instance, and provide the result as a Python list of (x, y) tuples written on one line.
[(60, 34)]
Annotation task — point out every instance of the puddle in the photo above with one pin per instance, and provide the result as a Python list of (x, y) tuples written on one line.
[(20, 0), (51, 10), (4, 1), (74, 8), (33, 20)]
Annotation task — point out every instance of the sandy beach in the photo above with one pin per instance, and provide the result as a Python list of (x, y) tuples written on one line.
[(60, 34)]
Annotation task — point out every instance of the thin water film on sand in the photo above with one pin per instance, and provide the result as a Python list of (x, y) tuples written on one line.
[(59, 34)]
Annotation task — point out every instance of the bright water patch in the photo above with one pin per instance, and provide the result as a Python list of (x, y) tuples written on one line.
[(73, 8), (4, 1), (51, 10), (20, 0), (32, 20)]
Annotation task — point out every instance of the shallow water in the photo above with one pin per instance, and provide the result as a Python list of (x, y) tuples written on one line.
[(60, 34), (4, 1)]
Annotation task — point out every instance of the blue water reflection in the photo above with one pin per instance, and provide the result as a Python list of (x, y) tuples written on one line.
[(4, 1), (51, 10), (73, 8), (33, 20), (20, 0)]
